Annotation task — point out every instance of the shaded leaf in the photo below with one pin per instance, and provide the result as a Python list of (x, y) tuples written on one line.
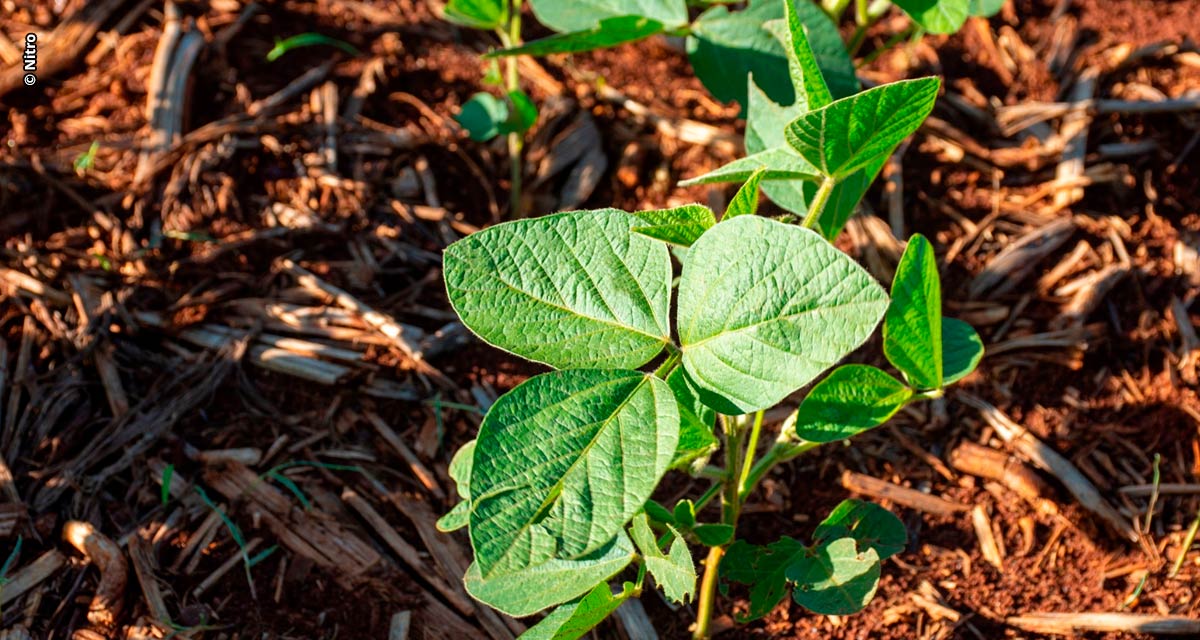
[(685, 513), (848, 134), (696, 422), (764, 569), (572, 289), (478, 14), (962, 349), (937, 16), (550, 583), (727, 46), (852, 399), (912, 327), (986, 8), (867, 523), (714, 535), (835, 579), (658, 513), (609, 32), (679, 226), (482, 116), (460, 469), (765, 307), (563, 461), (524, 113)]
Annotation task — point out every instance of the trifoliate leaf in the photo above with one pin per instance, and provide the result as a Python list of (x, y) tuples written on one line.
[(849, 134)]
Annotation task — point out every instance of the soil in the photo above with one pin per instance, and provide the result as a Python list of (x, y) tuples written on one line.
[(1109, 399)]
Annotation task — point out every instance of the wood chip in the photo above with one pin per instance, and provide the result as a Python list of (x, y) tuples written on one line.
[(883, 490), (1069, 624)]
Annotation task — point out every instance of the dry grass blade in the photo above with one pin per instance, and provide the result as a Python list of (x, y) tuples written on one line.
[(1070, 624)]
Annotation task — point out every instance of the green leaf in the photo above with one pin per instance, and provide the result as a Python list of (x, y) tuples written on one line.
[(456, 518), (550, 583), (714, 535), (986, 8), (870, 525), (610, 32), (765, 307), (301, 40), (685, 513), (828, 50), (574, 619), (780, 163), (573, 289), (482, 116), (696, 422), (674, 571), (658, 513), (802, 62), (937, 16), (961, 350), (849, 401), (912, 328), (585, 14), (764, 569), (745, 201), (478, 14), (563, 461), (726, 46), (679, 226), (524, 113), (847, 135), (835, 579), (460, 469)]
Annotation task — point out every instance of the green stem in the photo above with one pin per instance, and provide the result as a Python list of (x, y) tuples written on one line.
[(668, 365), (780, 452), (860, 13), (817, 206), (1187, 544), (751, 447), (511, 37), (708, 593)]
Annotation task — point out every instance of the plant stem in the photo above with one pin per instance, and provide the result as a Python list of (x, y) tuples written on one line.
[(730, 509), (817, 206), (668, 365), (511, 37), (751, 447), (780, 452), (708, 593)]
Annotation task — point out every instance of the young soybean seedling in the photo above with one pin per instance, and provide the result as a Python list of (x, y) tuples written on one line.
[(556, 489)]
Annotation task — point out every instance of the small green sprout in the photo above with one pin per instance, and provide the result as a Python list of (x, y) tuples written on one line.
[(299, 41)]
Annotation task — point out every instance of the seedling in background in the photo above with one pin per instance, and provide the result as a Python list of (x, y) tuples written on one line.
[(556, 489), (724, 46), (484, 116)]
